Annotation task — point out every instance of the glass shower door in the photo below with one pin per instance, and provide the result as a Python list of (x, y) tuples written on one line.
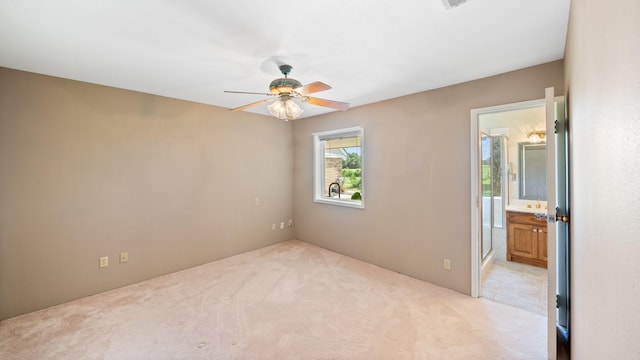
[(493, 151), (487, 194)]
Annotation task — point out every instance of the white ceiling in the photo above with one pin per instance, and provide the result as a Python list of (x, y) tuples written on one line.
[(367, 50)]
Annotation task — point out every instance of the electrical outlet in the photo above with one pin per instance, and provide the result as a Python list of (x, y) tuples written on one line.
[(446, 264), (290, 223), (257, 201), (282, 225), (124, 257), (104, 261), (273, 226)]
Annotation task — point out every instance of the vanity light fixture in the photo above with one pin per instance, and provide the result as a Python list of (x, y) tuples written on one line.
[(536, 136)]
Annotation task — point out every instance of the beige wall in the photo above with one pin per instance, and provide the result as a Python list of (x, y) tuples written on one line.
[(603, 86), (417, 183), (88, 171)]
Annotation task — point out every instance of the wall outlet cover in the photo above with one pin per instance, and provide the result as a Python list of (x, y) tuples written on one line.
[(446, 264), (104, 261)]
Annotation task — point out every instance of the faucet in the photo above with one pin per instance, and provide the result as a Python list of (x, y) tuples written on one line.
[(333, 190)]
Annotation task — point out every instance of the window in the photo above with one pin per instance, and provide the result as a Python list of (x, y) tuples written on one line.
[(338, 167)]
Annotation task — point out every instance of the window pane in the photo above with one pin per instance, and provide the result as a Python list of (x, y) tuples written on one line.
[(343, 168), (338, 167)]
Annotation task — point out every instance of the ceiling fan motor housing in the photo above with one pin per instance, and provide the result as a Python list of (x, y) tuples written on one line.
[(284, 86)]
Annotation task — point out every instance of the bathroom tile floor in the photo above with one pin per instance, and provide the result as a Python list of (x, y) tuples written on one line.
[(520, 285)]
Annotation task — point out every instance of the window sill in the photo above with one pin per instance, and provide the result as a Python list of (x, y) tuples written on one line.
[(341, 202)]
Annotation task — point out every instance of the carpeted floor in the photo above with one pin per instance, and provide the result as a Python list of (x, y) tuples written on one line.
[(287, 301)]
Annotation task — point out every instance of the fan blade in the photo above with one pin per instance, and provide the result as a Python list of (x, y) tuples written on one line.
[(328, 103), (313, 88), (249, 105), (245, 92)]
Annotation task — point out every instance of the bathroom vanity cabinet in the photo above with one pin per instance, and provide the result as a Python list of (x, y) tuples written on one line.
[(526, 238)]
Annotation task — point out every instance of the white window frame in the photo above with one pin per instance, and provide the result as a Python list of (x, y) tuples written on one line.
[(319, 165)]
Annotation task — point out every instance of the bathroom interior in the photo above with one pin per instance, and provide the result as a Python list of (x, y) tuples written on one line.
[(514, 206)]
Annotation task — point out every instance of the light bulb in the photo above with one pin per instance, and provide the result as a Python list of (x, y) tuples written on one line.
[(292, 110), (534, 138)]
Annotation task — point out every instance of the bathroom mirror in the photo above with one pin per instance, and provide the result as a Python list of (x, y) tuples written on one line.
[(533, 171)]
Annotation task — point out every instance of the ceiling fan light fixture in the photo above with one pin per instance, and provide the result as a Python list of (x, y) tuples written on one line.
[(285, 109), (287, 89)]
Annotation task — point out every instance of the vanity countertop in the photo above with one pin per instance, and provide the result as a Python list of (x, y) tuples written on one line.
[(525, 209)]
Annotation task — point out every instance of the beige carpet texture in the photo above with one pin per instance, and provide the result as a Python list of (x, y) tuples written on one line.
[(291, 300)]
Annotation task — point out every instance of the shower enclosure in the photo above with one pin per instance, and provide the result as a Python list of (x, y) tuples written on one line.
[(493, 180)]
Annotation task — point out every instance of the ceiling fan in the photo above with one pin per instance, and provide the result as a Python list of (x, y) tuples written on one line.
[(285, 90)]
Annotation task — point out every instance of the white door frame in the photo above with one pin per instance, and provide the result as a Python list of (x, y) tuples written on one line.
[(476, 201)]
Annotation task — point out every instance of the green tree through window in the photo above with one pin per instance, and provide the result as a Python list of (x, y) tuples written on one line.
[(351, 162)]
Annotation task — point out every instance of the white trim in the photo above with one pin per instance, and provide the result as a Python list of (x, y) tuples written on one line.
[(348, 132), (318, 166), (342, 202), (475, 202)]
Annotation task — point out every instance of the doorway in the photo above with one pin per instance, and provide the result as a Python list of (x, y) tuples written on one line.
[(553, 236), (505, 185)]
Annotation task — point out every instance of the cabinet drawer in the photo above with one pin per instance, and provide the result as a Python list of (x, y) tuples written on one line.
[(525, 218)]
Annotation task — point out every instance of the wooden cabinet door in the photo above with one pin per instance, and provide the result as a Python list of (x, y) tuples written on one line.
[(525, 241)]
